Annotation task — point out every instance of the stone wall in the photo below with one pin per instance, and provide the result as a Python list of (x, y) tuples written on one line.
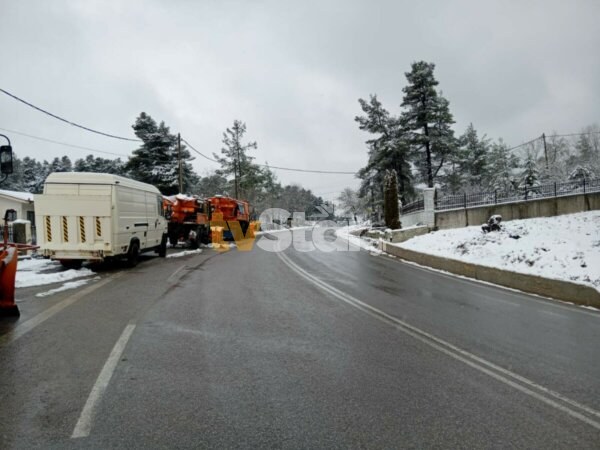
[(562, 290), (544, 207)]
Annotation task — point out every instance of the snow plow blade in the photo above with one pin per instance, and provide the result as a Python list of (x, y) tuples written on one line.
[(8, 272)]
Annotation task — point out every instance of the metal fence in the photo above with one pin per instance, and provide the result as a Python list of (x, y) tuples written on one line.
[(418, 205), (465, 200), (11, 235)]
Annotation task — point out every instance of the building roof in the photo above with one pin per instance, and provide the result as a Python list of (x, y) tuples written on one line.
[(19, 196)]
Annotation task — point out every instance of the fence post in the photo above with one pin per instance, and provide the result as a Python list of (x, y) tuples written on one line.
[(465, 200), (584, 185), (555, 189), (525, 192), (495, 196)]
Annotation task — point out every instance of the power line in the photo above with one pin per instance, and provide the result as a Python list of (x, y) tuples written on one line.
[(61, 143), (275, 167), (574, 134), (199, 152), (67, 121)]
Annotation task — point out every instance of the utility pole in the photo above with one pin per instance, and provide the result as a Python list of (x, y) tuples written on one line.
[(235, 177), (179, 162), (239, 166), (545, 149)]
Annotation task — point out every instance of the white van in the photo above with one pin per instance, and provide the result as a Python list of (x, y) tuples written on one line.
[(97, 216)]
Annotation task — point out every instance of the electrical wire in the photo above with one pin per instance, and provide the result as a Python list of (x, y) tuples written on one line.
[(67, 121), (574, 134), (275, 167), (62, 143)]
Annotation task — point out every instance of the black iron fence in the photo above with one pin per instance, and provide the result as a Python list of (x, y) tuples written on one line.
[(565, 188), (418, 205), (11, 236)]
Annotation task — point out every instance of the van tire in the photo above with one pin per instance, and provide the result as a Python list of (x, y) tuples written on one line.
[(133, 255), (162, 248)]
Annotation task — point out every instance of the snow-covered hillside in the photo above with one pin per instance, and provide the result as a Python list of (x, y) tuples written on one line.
[(563, 247)]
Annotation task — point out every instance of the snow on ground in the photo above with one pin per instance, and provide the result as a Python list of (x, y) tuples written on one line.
[(66, 286), (372, 245), (562, 247), (38, 272), (184, 253), (259, 233)]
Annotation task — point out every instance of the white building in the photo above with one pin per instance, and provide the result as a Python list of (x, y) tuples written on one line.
[(21, 202)]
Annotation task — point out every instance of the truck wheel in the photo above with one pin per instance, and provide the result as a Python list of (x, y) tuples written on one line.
[(71, 263), (162, 248), (133, 255)]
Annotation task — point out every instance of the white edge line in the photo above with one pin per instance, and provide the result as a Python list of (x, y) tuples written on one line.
[(453, 351), (84, 424), (555, 302)]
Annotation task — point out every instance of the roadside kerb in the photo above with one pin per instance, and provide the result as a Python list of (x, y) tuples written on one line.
[(558, 289)]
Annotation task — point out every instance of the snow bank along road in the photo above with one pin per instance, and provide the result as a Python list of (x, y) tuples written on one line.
[(562, 247), (311, 349)]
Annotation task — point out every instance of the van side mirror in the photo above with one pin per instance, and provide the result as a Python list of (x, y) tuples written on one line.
[(6, 160)]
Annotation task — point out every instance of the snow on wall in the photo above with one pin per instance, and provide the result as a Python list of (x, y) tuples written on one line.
[(563, 247)]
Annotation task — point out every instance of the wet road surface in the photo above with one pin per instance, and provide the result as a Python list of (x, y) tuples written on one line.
[(297, 349)]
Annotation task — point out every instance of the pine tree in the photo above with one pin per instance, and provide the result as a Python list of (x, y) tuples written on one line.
[(156, 161), (99, 165), (530, 177), (501, 166), (33, 175), (474, 153), (388, 149), (237, 163), (427, 119), (390, 207)]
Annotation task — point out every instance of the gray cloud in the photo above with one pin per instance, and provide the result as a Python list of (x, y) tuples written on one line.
[(293, 71)]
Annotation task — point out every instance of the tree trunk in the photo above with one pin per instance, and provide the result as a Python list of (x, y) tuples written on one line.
[(428, 152)]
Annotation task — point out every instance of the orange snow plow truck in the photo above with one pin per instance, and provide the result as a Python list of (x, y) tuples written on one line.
[(200, 221)]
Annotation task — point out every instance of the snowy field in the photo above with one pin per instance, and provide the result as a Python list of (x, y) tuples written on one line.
[(563, 247), (40, 272)]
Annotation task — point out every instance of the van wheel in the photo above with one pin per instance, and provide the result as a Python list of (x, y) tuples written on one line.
[(133, 255), (71, 263), (162, 248)]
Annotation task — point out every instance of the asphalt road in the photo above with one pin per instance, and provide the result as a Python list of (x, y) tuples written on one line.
[(300, 349)]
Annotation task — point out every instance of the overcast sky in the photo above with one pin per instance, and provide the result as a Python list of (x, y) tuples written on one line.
[(293, 71)]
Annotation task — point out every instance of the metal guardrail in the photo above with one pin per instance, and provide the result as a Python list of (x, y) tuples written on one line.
[(550, 190)]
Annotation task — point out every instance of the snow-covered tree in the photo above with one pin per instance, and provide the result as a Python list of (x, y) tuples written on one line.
[(33, 175), (350, 203), (156, 161), (502, 165), (581, 173), (530, 177), (388, 148), (474, 158), (237, 163), (99, 165), (427, 119)]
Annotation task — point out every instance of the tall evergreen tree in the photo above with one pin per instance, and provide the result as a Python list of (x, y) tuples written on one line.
[(237, 163), (427, 120), (156, 161), (388, 148)]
